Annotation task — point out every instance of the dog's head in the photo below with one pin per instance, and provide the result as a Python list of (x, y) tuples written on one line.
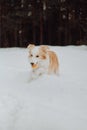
[(38, 56)]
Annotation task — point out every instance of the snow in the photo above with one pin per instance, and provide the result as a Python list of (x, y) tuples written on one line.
[(49, 102)]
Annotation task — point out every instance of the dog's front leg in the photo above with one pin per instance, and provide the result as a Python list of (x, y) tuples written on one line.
[(33, 75), (40, 71)]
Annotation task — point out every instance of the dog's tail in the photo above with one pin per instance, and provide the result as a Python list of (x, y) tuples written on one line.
[(53, 62)]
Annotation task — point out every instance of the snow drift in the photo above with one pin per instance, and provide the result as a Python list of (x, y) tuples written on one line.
[(49, 102)]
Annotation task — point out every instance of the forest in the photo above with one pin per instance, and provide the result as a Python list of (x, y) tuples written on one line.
[(52, 22)]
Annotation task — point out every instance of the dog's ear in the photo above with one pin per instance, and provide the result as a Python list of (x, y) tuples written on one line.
[(44, 48), (31, 46)]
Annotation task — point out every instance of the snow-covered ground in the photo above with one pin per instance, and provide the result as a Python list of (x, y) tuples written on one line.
[(48, 103)]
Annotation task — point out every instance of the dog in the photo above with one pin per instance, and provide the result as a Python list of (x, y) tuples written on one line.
[(42, 60)]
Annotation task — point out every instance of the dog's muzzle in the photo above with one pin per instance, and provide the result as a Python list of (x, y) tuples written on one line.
[(33, 65)]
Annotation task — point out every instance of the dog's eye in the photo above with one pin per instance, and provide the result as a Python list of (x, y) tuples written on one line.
[(37, 56), (31, 55)]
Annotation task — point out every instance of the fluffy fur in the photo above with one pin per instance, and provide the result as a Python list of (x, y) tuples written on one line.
[(42, 60)]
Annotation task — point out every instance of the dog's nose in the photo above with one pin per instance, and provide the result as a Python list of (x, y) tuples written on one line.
[(32, 63)]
